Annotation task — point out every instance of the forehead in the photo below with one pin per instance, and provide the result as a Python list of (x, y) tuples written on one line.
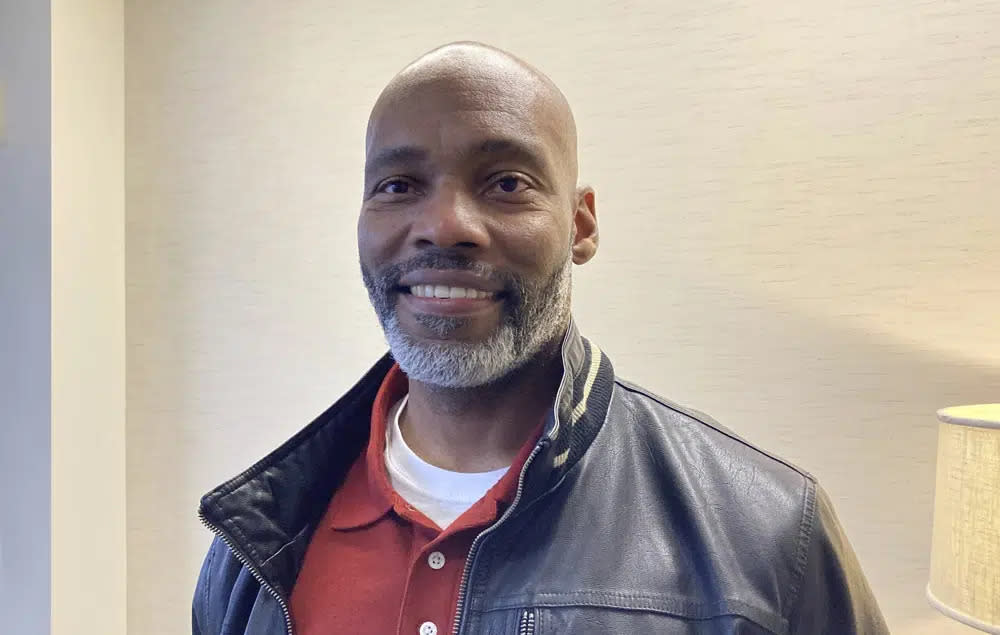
[(444, 115)]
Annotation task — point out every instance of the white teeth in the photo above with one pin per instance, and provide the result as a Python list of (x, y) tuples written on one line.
[(446, 292)]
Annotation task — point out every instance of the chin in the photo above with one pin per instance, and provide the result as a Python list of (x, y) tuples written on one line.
[(450, 362), (444, 329)]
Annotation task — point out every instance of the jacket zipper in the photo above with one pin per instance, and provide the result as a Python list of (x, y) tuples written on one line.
[(527, 624), (253, 571), (474, 548)]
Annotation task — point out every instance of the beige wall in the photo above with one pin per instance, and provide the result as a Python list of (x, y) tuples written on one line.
[(799, 221), (88, 318)]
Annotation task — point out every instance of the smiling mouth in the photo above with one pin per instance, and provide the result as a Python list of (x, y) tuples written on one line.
[(449, 301), (445, 292)]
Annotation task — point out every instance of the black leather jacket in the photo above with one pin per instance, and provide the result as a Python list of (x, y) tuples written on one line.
[(632, 516)]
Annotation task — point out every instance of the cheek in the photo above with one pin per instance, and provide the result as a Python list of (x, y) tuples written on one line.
[(377, 237), (537, 244)]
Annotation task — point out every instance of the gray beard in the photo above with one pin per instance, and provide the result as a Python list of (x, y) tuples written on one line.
[(532, 317)]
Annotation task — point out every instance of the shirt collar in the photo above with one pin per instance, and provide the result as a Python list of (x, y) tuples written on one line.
[(366, 495)]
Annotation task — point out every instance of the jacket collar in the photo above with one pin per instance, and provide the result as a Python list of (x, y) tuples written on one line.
[(267, 514), (579, 411)]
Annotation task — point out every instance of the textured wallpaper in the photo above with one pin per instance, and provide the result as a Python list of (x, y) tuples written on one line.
[(799, 215)]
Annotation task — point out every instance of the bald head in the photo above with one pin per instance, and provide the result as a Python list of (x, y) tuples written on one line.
[(476, 78)]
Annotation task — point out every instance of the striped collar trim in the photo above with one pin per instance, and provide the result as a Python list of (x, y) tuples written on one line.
[(581, 403)]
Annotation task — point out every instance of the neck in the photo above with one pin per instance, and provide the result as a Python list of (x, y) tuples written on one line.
[(481, 428)]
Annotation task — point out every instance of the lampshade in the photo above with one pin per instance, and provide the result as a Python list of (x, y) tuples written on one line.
[(965, 547)]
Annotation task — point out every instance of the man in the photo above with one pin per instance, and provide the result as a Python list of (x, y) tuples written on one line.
[(493, 475)]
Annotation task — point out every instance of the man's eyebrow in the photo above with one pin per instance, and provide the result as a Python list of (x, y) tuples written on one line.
[(394, 155), (515, 150)]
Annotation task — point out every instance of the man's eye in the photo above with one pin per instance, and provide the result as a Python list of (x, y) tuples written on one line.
[(395, 186), (510, 184)]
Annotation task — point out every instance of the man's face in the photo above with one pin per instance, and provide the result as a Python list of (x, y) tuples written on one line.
[(465, 229)]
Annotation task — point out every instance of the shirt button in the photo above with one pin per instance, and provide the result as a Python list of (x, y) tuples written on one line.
[(436, 560), (428, 628)]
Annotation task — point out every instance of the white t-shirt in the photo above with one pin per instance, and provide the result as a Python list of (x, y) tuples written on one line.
[(441, 495)]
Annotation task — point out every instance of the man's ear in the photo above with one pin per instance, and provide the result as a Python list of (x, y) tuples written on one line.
[(585, 236)]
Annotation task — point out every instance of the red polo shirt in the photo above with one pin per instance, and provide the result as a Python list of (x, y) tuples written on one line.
[(376, 565)]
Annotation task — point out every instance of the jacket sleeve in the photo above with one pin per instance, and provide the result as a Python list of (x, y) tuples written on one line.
[(834, 597), (200, 603), (214, 606)]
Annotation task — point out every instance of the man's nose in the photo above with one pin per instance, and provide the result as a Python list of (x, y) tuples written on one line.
[(450, 218)]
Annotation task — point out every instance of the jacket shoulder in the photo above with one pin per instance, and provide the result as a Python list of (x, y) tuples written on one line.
[(675, 420), (755, 509), (778, 523)]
